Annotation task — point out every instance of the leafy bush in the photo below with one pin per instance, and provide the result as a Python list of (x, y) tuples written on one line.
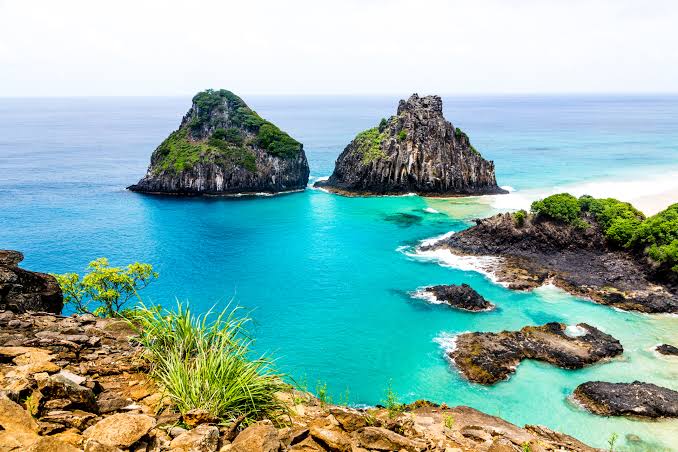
[(402, 135), (392, 402), (276, 142), (617, 219), (230, 135), (204, 362), (658, 237), (383, 124), (105, 290), (563, 207), (519, 217)]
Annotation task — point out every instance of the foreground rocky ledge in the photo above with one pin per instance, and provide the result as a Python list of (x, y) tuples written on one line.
[(487, 358), (70, 384), (575, 259), (461, 297), (627, 399)]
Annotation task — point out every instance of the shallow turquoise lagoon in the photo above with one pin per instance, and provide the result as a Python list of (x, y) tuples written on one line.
[(329, 278)]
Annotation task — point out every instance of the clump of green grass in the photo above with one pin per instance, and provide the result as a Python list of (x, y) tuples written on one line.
[(204, 361), (368, 145), (322, 393), (448, 421), (392, 402)]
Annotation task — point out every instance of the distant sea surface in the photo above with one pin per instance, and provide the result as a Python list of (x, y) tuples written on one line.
[(329, 278)]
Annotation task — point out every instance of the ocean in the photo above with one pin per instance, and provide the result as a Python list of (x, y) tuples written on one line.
[(329, 279)]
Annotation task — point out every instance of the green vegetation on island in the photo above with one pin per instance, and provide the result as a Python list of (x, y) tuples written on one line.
[(223, 130), (368, 144), (623, 225)]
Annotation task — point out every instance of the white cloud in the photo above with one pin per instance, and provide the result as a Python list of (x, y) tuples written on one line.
[(166, 47)]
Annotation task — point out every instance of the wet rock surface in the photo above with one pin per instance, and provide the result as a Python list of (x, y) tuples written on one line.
[(48, 379), (575, 259), (417, 150), (627, 399), (667, 349), (460, 297), (22, 290), (487, 358)]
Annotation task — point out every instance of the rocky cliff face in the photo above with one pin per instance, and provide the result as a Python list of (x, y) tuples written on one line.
[(22, 290), (417, 150), (223, 147)]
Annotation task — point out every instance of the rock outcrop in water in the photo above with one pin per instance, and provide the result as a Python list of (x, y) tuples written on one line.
[(667, 349), (69, 384), (627, 399), (460, 297), (487, 358), (577, 259), (415, 151), (22, 290), (222, 147)]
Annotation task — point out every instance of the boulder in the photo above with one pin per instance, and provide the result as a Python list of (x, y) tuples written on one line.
[(204, 438), (627, 399), (487, 358), (120, 430), (460, 297), (51, 444), (61, 386), (259, 437), (377, 438), (22, 290), (667, 349)]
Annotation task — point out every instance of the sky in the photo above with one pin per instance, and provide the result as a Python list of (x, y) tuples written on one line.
[(158, 48)]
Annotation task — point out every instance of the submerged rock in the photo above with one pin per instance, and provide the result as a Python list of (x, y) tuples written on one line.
[(417, 150), (667, 349), (627, 399), (460, 297), (487, 358), (576, 259), (223, 147), (22, 290)]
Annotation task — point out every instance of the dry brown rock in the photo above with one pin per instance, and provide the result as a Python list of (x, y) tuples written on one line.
[(204, 438), (120, 430), (196, 417), (377, 438), (51, 444), (333, 438), (260, 437), (350, 420)]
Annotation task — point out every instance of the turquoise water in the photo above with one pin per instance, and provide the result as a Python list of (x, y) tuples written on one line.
[(329, 277)]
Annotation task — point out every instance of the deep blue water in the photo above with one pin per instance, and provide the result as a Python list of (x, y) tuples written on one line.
[(329, 277)]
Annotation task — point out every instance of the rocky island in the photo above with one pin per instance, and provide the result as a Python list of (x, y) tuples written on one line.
[(223, 147), (415, 151), (627, 399), (457, 296), (487, 358), (602, 249)]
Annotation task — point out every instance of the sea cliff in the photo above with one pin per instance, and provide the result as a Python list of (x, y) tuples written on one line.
[(415, 151), (223, 147)]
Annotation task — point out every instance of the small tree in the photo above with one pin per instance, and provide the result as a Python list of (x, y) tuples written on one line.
[(105, 290)]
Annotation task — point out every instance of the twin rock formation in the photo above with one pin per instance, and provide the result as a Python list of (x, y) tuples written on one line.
[(223, 147)]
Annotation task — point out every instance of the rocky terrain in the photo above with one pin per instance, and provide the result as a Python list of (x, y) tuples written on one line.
[(222, 147), (627, 399), (79, 383), (418, 151), (667, 349), (460, 297), (576, 259), (487, 358), (22, 290)]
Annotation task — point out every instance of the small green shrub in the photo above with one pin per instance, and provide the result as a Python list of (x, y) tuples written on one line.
[(563, 207), (322, 394), (402, 135), (519, 217), (104, 290), (205, 362), (526, 447), (230, 135), (448, 421), (276, 142), (383, 124), (612, 440), (617, 219), (392, 402), (658, 237)]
